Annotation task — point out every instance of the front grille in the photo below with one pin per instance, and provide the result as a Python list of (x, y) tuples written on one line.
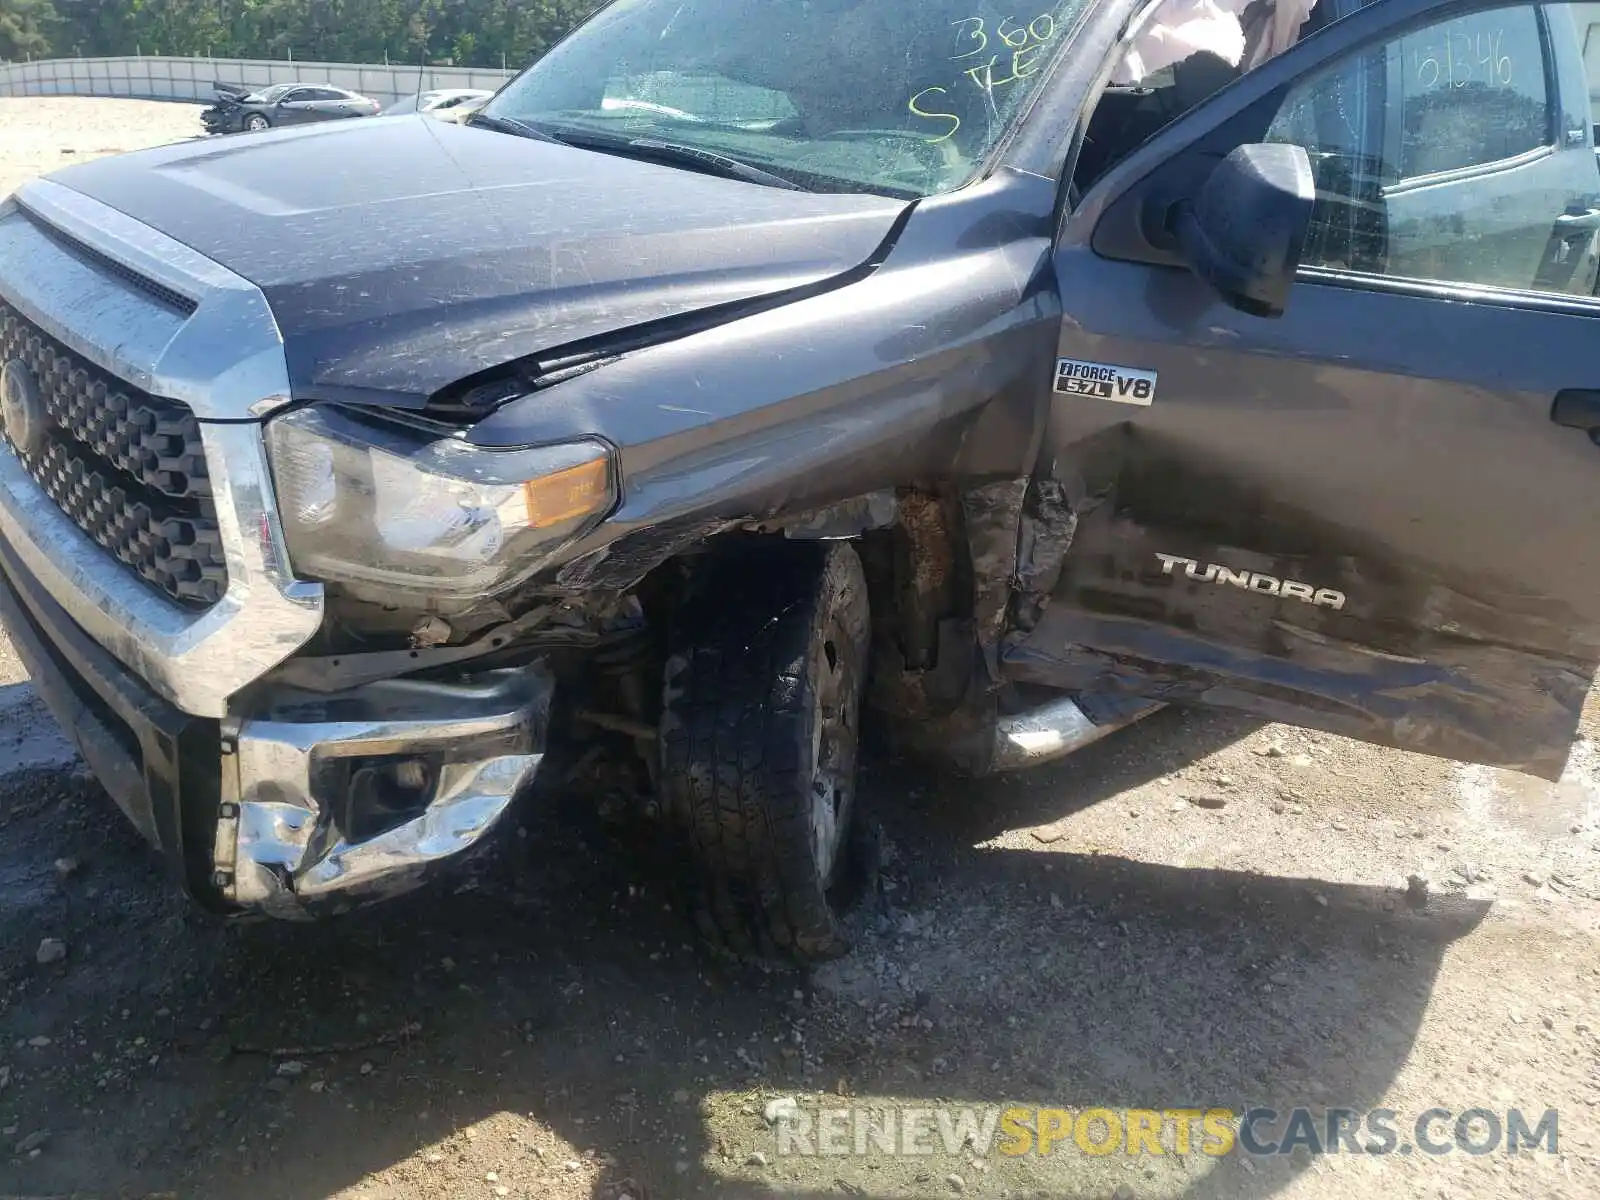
[(128, 468)]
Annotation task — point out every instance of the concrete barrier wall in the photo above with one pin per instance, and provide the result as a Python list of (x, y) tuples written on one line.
[(190, 78)]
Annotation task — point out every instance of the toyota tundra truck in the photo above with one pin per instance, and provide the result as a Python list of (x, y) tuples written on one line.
[(744, 375)]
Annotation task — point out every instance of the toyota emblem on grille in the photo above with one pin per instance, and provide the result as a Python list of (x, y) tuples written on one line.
[(22, 412)]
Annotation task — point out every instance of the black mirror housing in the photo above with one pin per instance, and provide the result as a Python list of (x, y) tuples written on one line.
[(1244, 232)]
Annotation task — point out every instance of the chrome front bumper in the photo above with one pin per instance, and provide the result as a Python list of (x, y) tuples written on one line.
[(288, 835)]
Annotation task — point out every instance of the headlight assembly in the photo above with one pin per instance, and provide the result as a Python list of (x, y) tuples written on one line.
[(369, 501)]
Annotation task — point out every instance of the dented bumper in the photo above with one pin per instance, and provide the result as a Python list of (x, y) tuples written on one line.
[(312, 802), (354, 796)]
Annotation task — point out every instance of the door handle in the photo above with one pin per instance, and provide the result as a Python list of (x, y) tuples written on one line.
[(1573, 224)]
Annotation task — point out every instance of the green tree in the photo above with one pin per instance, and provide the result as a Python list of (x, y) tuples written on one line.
[(26, 28), (182, 27), (478, 33)]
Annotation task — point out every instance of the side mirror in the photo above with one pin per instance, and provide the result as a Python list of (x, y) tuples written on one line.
[(1244, 232)]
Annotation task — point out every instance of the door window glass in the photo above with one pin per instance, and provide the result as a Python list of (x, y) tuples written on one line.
[(1471, 92), (1591, 57), (1436, 158)]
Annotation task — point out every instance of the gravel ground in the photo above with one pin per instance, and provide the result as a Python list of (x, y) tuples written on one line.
[(1201, 911), (40, 135)]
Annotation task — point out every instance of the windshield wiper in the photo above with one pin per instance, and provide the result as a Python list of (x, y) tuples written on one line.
[(706, 161), (733, 168), (693, 157), (485, 120)]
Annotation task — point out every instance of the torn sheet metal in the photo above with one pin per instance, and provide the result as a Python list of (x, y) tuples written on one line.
[(876, 510), (1048, 525), (992, 513), (623, 563)]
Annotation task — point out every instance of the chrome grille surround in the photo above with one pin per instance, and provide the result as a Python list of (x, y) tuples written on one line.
[(225, 362)]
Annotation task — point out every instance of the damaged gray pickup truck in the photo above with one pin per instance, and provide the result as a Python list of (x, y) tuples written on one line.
[(744, 375)]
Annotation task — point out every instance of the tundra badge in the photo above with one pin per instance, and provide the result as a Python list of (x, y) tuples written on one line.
[(1253, 581), (1103, 381)]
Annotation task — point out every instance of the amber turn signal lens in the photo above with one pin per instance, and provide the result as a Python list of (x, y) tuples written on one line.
[(567, 494)]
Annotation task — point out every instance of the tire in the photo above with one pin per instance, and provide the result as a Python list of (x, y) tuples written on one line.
[(759, 737), (256, 123)]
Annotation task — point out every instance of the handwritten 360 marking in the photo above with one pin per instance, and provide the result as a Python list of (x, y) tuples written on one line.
[(1022, 42)]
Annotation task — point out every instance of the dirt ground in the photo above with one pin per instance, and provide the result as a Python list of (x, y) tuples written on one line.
[(1202, 911)]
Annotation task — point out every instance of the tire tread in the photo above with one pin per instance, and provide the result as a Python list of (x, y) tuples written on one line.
[(736, 748)]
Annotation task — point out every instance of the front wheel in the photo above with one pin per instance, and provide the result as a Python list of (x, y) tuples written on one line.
[(760, 729), (256, 123)]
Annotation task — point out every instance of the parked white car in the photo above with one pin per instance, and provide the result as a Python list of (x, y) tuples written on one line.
[(449, 104)]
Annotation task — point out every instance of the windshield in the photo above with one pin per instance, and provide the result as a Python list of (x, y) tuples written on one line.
[(903, 97)]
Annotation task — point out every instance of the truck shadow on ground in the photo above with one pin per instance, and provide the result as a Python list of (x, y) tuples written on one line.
[(558, 984)]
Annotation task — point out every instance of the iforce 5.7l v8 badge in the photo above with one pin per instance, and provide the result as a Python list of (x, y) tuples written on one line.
[(1105, 382)]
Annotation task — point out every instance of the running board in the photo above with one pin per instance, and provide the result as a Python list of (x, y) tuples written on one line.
[(1061, 727)]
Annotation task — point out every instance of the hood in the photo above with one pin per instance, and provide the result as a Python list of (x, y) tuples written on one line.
[(402, 254)]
